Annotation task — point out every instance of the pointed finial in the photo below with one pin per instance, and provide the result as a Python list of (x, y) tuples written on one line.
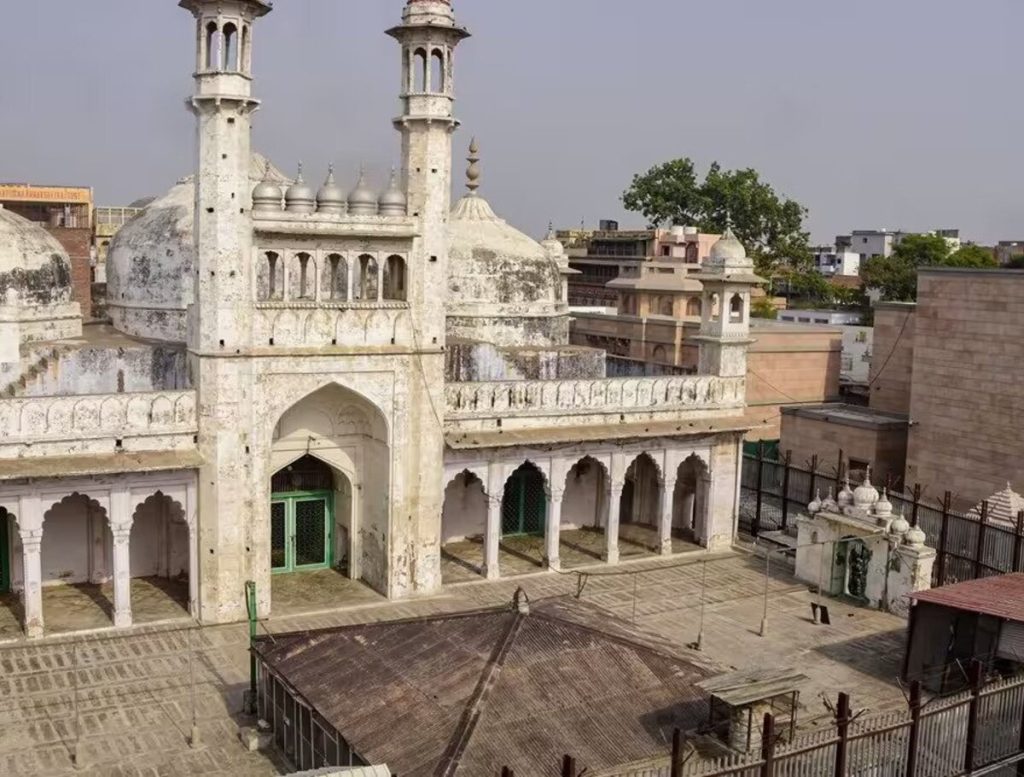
[(298, 178), (473, 172), (551, 231)]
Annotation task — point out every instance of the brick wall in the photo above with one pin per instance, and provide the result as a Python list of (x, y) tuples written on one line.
[(967, 400), (78, 243), (892, 357)]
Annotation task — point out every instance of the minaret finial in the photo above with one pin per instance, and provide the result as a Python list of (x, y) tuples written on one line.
[(298, 178), (473, 172)]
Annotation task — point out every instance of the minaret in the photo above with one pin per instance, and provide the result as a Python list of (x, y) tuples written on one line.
[(728, 278), (220, 318), (428, 36), (222, 102)]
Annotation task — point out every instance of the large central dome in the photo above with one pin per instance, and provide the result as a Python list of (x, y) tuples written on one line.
[(152, 259)]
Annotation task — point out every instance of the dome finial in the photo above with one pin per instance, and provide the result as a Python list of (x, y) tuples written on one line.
[(473, 172), (298, 178)]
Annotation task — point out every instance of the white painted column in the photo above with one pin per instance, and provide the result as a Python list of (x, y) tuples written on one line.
[(32, 566), (553, 530), (355, 543), (492, 535), (121, 528), (192, 518), (611, 529), (665, 518), (380, 278)]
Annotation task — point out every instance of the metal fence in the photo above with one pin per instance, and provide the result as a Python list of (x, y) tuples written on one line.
[(774, 492), (980, 731)]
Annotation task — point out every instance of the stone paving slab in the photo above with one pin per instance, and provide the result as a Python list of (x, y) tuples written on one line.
[(135, 698)]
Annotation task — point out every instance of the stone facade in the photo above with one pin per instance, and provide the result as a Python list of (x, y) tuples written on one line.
[(278, 350)]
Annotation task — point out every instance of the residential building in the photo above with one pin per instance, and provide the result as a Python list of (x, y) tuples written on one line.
[(108, 221), (341, 380), (604, 255), (65, 212), (831, 262), (1008, 250), (826, 317)]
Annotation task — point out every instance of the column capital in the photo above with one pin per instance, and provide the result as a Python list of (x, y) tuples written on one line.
[(557, 494), (31, 539), (122, 531)]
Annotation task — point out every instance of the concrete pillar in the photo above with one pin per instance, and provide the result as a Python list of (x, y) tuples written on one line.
[(553, 530), (665, 518), (32, 566), (611, 529), (121, 528)]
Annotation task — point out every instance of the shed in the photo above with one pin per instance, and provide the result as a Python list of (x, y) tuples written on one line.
[(740, 700), (470, 693), (979, 620)]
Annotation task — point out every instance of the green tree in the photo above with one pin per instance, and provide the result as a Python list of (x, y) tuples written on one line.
[(771, 227), (895, 276), (972, 256), (762, 307)]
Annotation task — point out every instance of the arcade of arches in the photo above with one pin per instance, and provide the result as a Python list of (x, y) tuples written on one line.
[(76, 554), (590, 503)]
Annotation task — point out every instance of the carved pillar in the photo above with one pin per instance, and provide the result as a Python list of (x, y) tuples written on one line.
[(665, 518), (32, 597), (553, 529), (121, 528), (611, 529), (492, 536)]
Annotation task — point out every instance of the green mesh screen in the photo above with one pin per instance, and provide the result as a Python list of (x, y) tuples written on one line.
[(310, 532), (278, 515), (524, 506)]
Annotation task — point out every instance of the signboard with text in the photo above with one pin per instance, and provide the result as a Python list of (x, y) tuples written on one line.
[(18, 192)]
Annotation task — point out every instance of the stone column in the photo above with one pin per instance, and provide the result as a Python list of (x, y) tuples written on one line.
[(193, 549), (32, 566), (665, 518), (553, 530), (492, 535), (121, 528), (611, 529)]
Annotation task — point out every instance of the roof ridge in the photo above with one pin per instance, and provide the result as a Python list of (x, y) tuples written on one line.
[(449, 763)]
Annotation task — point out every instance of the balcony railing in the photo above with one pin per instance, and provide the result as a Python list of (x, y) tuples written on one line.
[(589, 397)]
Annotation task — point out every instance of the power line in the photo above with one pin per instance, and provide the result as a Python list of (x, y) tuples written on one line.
[(906, 320)]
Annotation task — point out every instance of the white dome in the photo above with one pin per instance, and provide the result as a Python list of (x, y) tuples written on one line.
[(504, 288), (35, 286), (34, 268), (151, 263), (728, 250)]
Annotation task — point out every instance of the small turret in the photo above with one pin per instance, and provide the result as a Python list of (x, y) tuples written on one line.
[(330, 199), (300, 197)]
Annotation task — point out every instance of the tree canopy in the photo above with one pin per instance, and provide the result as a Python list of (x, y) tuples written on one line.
[(895, 276), (770, 226)]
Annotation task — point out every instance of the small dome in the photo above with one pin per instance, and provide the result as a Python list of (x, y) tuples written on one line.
[(865, 496), (362, 201), (728, 250), (915, 537), (828, 504), (899, 525), (392, 202), (845, 496), (300, 197), (330, 198), (815, 504), (267, 195), (883, 507)]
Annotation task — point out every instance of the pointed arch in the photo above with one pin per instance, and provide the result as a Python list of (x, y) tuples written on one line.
[(230, 63), (394, 278), (367, 279), (420, 72), (464, 514), (690, 498), (524, 504), (438, 79), (641, 491), (585, 501)]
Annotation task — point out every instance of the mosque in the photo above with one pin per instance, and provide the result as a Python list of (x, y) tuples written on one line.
[(297, 379)]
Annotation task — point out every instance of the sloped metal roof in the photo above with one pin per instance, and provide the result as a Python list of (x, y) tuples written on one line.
[(477, 691), (1001, 596)]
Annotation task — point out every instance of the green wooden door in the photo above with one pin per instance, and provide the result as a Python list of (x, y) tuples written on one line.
[(524, 506), (301, 531)]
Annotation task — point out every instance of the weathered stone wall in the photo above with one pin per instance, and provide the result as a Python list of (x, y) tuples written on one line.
[(474, 361)]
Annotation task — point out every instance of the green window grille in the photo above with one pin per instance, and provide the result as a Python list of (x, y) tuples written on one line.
[(524, 506)]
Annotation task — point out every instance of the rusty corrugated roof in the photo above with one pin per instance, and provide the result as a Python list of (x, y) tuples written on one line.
[(470, 693), (1001, 596)]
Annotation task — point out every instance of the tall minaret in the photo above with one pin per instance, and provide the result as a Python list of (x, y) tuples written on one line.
[(220, 318), (222, 102), (728, 278), (428, 36)]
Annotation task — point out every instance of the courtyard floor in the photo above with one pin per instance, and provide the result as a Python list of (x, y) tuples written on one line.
[(88, 607), (462, 562), (135, 695)]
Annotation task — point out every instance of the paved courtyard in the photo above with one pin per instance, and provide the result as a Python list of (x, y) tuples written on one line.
[(135, 696)]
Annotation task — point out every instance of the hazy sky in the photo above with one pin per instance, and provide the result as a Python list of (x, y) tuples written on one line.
[(872, 113)]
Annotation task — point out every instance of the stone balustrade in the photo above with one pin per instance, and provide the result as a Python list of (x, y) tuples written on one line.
[(592, 397), (79, 420)]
